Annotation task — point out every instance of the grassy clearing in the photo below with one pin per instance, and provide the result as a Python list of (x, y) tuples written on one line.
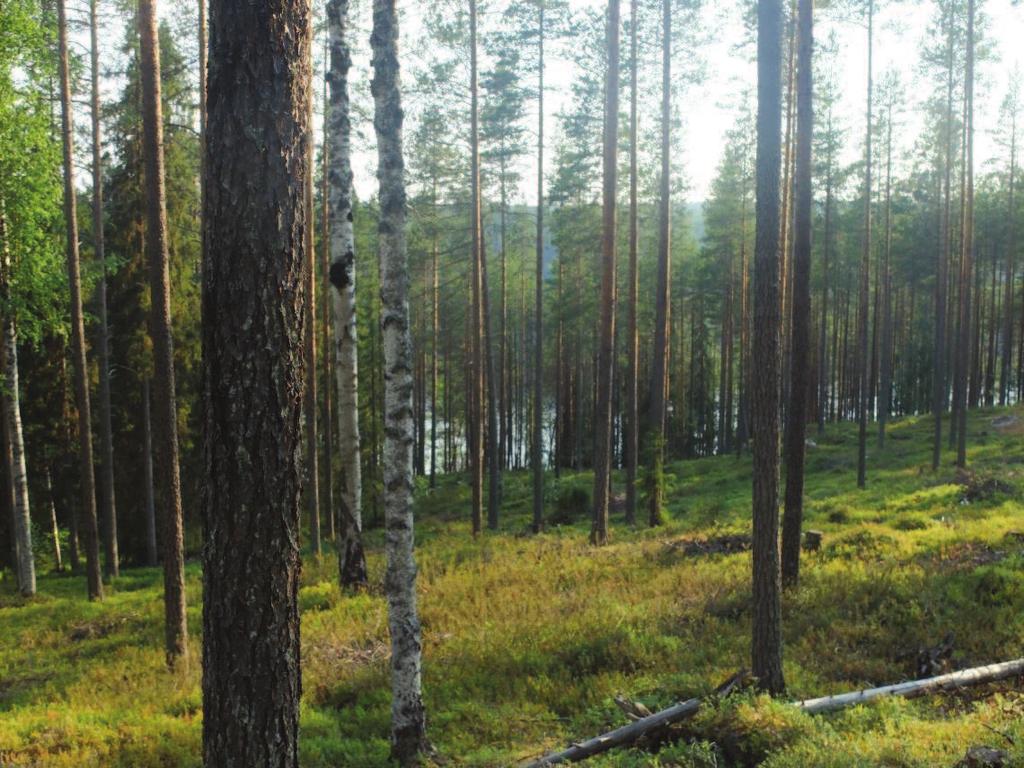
[(528, 638)]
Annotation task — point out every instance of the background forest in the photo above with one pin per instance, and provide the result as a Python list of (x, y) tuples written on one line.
[(904, 274)]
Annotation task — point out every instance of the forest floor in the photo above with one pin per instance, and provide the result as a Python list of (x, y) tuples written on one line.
[(527, 639)]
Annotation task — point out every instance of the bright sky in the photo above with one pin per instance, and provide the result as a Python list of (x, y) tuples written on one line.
[(708, 110)]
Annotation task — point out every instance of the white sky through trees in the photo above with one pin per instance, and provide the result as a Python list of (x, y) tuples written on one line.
[(708, 110)]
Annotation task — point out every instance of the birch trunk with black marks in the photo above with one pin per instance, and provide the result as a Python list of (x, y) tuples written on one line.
[(342, 276), (408, 728), (15, 449), (254, 379), (1011, 270), (109, 505), (87, 474), (54, 529), (606, 339), (166, 411)]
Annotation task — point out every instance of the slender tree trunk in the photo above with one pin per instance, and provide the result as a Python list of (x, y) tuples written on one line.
[(967, 246), (435, 293), (767, 616), (86, 468), (864, 364), (327, 417), (169, 491), (493, 442), (1011, 272), (603, 402), (309, 403), (824, 374), (476, 325), (662, 311), (885, 285), (342, 276), (25, 565), (536, 458), (109, 511), (147, 442), (407, 717), (632, 336), (942, 271), (253, 380), (54, 530), (800, 345)]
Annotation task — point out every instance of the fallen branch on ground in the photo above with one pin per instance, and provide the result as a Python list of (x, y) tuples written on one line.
[(627, 734), (643, 726), (961, 679)]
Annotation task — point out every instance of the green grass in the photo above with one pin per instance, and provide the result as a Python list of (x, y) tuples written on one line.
[(528, 638)]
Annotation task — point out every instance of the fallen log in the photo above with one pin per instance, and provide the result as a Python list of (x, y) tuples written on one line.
[(952, 680), (637, 729)]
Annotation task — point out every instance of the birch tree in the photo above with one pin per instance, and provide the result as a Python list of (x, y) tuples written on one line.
[(408, 724), (342, 276)]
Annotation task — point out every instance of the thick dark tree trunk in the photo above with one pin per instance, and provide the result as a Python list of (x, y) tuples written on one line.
[(767, 614), (87, 474), (632, 417), (800, 345), (253, 379), (603, 402), (166, 412)]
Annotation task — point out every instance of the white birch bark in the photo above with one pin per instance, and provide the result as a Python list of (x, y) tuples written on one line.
[(13, 434), (342, 276), (407, 716)]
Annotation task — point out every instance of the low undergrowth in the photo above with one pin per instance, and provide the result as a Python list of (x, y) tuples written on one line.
[(527, 639)]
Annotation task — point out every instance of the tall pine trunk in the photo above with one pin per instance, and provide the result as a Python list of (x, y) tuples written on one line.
[(166, 412), (309, 402), (109, 510), (476, 399), (863, 362), (766, 645), (408, 737), (966, 248), (1011, 271), (885, 284), (603, 400), (800, 344), (632, 338), (662, 311), (87, 473), (342, 276), (253, 379), (536, 449)]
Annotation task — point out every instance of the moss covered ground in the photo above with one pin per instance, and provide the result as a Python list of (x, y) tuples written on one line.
[(527, 639)]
